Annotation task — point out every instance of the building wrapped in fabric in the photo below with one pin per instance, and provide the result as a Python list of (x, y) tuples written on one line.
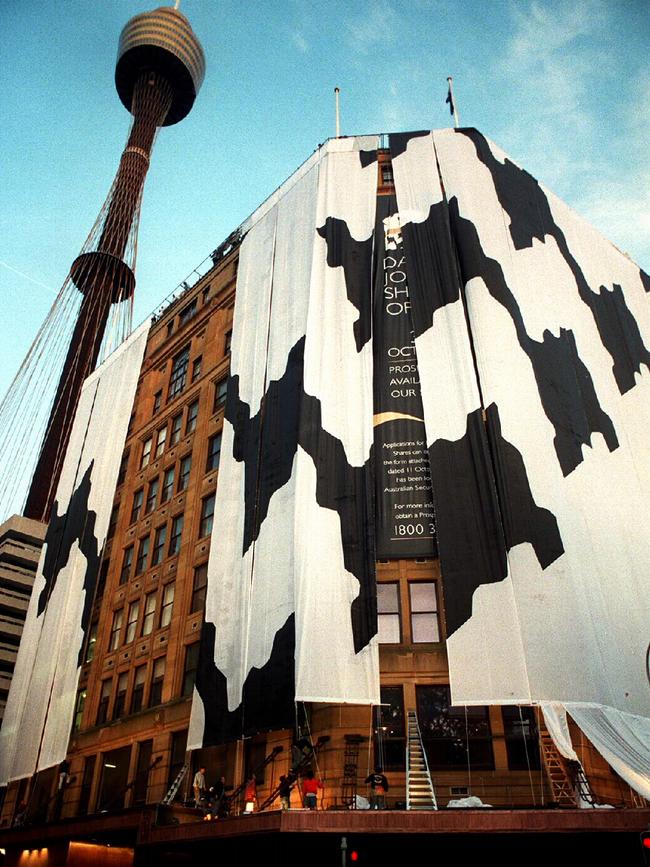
[(385, 484)]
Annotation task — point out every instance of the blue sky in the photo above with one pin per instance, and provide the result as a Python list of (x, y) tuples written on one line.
[(563, 87)]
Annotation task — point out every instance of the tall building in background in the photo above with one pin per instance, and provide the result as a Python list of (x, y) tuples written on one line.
[(385, 447), (20, 547), (160, 68)]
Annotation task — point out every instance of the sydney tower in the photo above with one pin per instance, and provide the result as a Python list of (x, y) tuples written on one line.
[(160, 68)]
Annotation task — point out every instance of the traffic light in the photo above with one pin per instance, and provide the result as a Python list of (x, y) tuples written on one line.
[(354, 856)]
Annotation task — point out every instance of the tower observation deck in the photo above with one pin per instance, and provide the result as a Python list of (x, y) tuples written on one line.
[(159, 71)]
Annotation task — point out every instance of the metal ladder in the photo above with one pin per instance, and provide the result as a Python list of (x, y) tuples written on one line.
[(419, 788), (350, 770), (175, 786), (562, 790), (304, 762)]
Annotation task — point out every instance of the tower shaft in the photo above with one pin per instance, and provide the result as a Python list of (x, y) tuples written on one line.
[(103, 277)]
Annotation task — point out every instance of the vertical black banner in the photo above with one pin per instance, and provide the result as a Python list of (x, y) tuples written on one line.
[(404, 521)]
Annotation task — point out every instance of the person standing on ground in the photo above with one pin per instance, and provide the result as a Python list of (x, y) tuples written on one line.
[(199, 786), (378, 788), (310, 787), (284, 790)]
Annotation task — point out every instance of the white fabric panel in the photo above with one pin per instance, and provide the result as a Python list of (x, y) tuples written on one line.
[(417, 183), (327, 668), (227, 600), (41, 704), (272, 589), (476, 676), (622, 739), (296, 226), (252, 306), (335, 372), (250, 596), (558, 728), (584, 619), (445, 365), (228, 597)]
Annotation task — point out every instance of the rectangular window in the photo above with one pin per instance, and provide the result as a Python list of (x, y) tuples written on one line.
[(170, 327), (453, 735), (101, 581), (146, 452), (92, 642), (124, 463), (127, 560), (184, 475), (220, 393), (136, 508), (132, 621), (120, 697), (168, 485), (187, 313), (424, 611), (207, 515), (206, 293), (390, 730), (152, 495), (157, 402), (143, 554), (177, 426), (522, 744), (178, 376), (149, 614), (388, 619), (199, 588), (79, 709), (387, 173), (214, 452), (112, 521), (227, 343), (145, 749), (137, 696), (161, 440), (175, 538), (86, 785), (177, 758), (196, 368), (157, 678), (189, 668), (167, 605), (159, 545), (104, 698), (116, 628), (192, 415)]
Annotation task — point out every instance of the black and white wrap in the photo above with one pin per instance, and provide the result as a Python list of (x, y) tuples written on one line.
[(291, 603), (532, 337), (40, 708)]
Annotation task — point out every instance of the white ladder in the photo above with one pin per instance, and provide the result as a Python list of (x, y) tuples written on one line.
[(419, 788)]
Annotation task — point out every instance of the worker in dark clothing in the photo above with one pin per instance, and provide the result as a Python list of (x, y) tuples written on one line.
[(378, 788), (216, 795), (284, 790)]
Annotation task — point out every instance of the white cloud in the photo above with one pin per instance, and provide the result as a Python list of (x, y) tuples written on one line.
[(299, 41), (374, 26)]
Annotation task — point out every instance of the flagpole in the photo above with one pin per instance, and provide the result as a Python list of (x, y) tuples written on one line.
[(338, 117), (452, 101)]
